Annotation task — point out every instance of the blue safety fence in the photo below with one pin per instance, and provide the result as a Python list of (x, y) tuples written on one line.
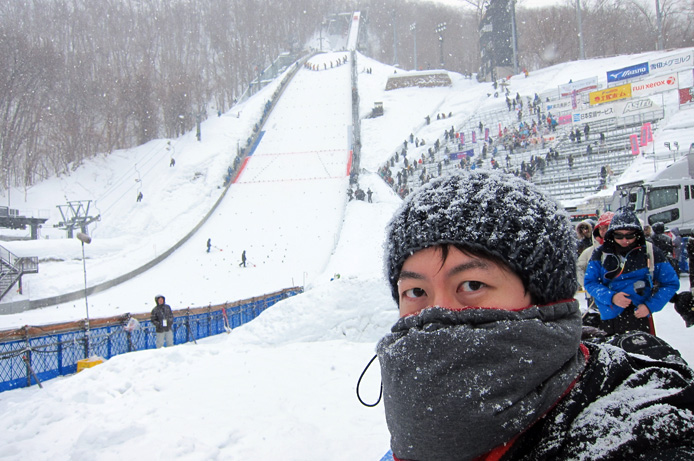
[(50, 355)]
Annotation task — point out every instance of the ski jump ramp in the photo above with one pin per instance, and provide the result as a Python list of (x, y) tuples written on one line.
[(354, 31)]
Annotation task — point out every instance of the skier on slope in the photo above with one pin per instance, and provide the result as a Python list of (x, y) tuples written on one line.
[(486, 360)]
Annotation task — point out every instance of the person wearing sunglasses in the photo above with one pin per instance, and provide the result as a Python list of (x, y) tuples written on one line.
[(583, 234), (623, 274), (486, 360)]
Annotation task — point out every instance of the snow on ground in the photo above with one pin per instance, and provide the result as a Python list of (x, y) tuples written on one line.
[(283, 385)]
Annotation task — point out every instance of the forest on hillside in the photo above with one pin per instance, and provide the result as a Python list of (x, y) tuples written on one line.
[(82, 77)]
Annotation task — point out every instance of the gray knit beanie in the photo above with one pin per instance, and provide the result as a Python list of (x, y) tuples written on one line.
[(497, 214)]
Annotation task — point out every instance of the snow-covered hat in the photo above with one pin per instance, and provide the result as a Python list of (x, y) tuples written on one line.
[(625, 219), (496, 214)]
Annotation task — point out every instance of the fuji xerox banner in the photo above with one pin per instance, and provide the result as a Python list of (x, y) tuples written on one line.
[(654, 85)]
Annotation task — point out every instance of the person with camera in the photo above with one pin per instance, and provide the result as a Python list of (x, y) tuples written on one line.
[(628, 277), (162, 319)]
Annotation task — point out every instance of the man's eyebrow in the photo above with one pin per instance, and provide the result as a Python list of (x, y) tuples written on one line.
[(472, 264), (410, 275)]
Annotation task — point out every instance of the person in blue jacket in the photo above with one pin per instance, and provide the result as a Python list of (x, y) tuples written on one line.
[(629, 278)]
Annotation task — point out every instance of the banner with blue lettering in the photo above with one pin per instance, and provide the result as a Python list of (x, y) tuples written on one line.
[(462, 154), (624, 73), (474, 137), (671, 62)]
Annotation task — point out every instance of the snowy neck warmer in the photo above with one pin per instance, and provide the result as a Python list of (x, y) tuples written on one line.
[(458, 384)]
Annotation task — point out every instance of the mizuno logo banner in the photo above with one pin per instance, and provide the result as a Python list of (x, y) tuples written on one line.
[(627, 72)]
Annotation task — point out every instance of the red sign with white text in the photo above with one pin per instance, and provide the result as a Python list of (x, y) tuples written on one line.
[(686, 96)]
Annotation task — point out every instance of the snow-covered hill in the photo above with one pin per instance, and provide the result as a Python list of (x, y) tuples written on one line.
[(282, 386)]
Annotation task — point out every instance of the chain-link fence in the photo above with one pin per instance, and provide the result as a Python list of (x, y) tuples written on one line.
[(46, 352)]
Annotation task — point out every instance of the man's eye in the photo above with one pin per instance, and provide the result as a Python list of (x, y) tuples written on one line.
[(471, 285), (415, 293)]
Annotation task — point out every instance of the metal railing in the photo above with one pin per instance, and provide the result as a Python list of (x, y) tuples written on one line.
[(54, 350)]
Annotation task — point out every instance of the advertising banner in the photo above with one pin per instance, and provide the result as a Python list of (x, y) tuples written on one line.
[(636, 106), (634, 141), (559, 105), (670, 63), (564, 119), (486, 134), (462, 154), (593, 115), (618, 109), (579, 86), (646, 134), (610, 95), (654, 85), (474, 137), (687, 96), (624, 73), (461, 136)]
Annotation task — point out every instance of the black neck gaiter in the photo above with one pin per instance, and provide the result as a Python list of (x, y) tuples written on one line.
[(458, 384)]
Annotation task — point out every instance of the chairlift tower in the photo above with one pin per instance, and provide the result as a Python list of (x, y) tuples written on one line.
[(76, 215)]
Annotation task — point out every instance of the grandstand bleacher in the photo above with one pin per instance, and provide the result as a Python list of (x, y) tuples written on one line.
[(562, 182)]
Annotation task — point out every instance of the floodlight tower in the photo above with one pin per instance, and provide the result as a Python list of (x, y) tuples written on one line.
[(439, 30)]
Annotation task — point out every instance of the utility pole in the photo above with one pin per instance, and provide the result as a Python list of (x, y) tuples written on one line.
[(439, 30), (581, 51), (395, 41), (84, 238), (514, 38), (659, 25), (413, 28)]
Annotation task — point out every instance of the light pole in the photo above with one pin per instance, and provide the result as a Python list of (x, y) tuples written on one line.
[(84, 238), (395, 42), (514, 35), (439, 30), (413, 28), (659, 25), (320, 35), (581, 51)]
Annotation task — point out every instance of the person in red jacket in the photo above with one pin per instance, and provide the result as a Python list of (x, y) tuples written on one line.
[(486, 361)]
